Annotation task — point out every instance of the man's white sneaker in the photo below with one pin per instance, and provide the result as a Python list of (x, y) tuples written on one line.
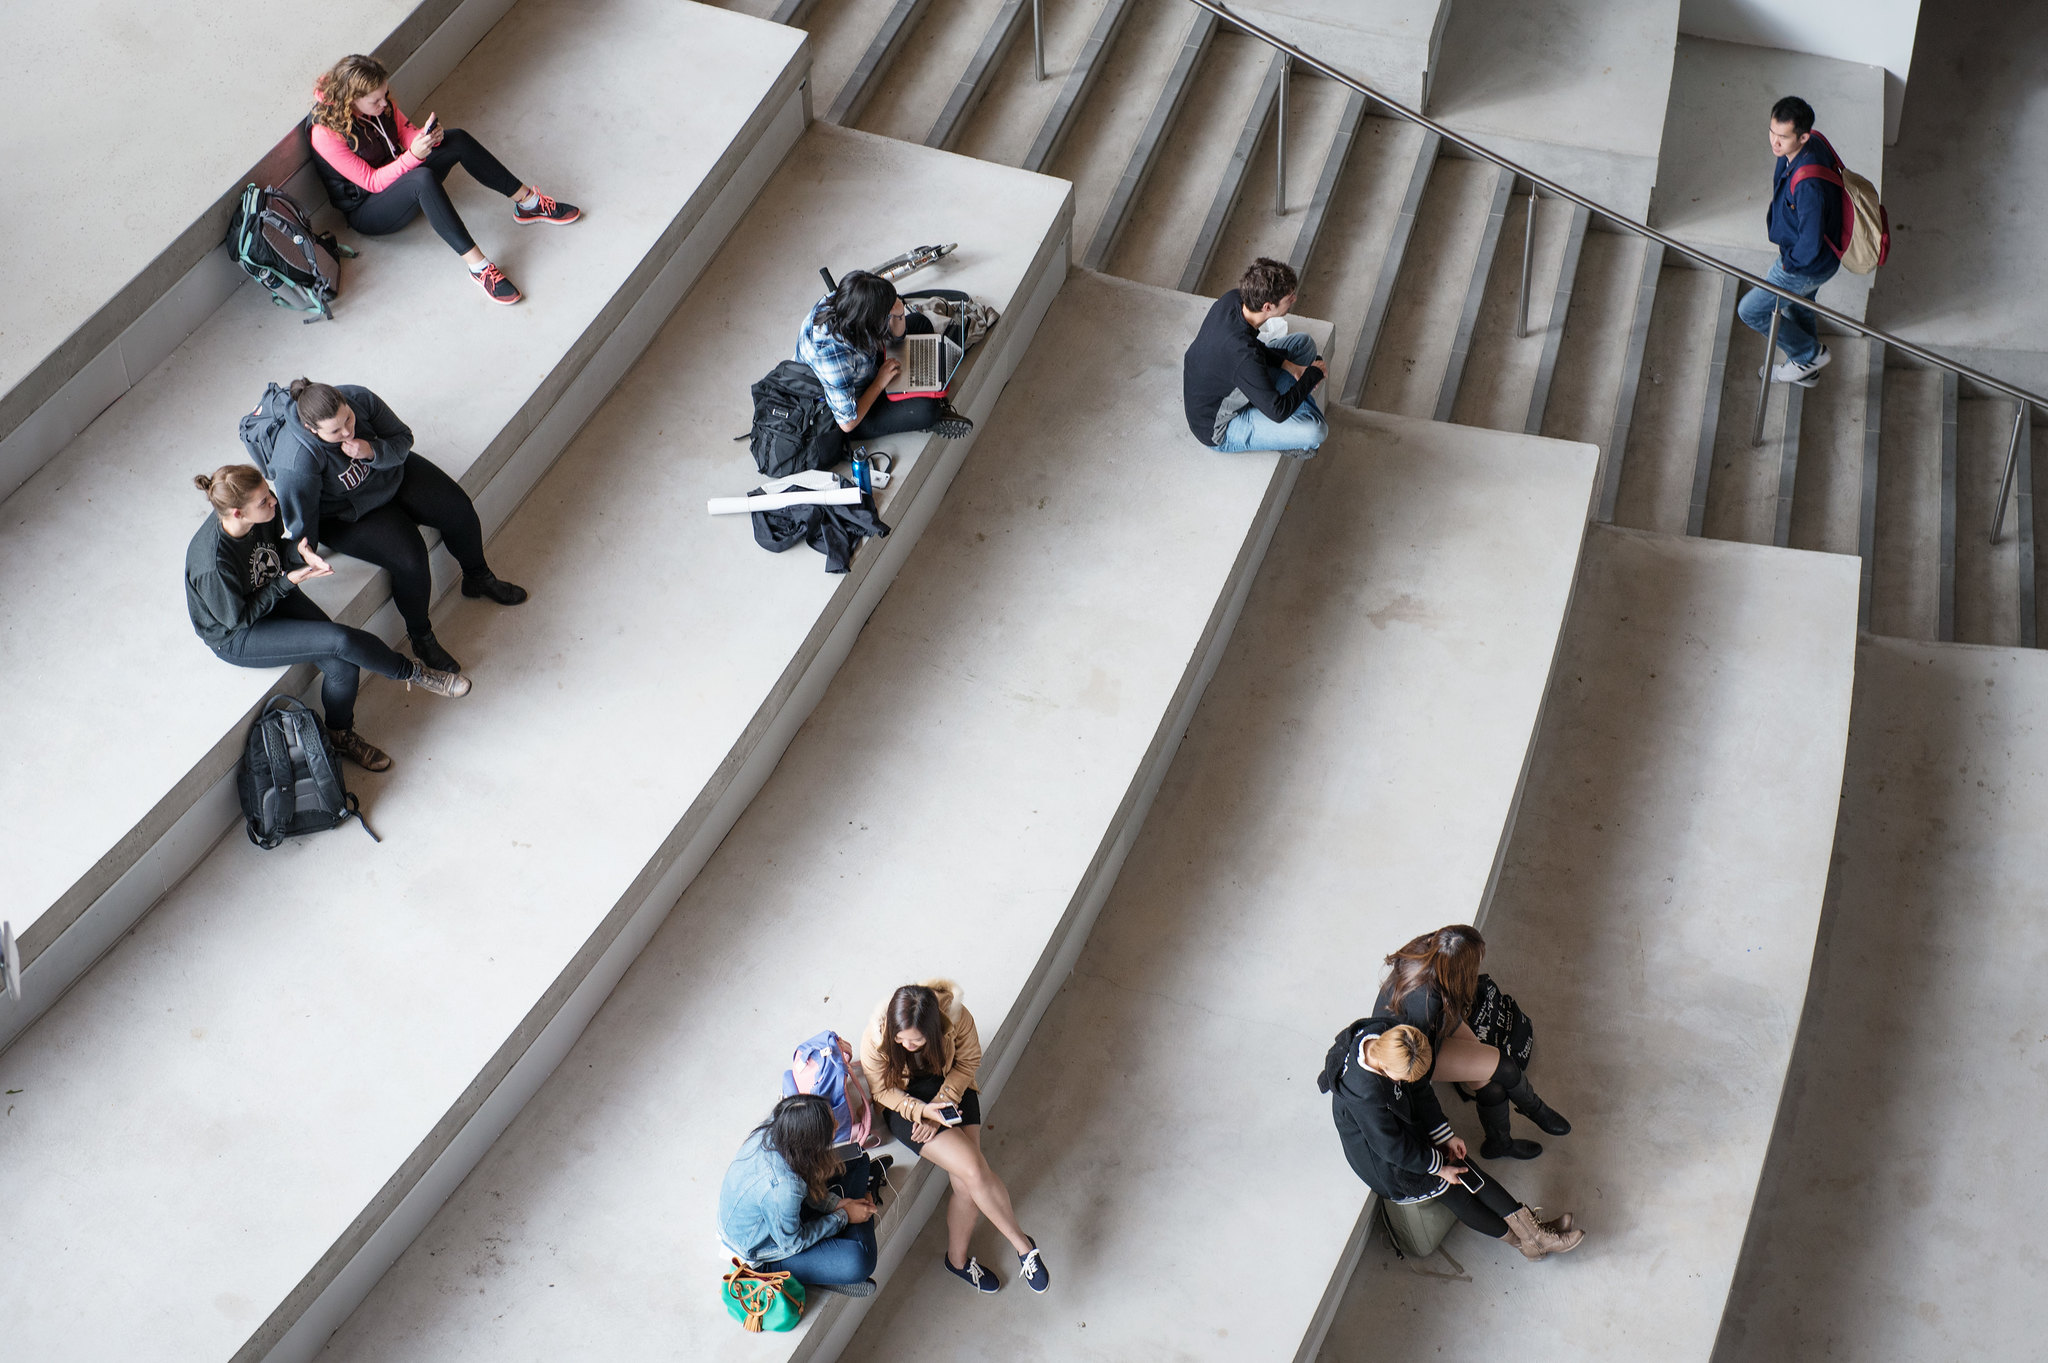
[(1805, 375)]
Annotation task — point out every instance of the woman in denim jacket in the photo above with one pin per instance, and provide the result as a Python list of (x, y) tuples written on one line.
[(789, 1204)]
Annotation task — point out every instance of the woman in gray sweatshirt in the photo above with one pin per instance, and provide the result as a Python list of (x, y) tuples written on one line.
[(242, 591)]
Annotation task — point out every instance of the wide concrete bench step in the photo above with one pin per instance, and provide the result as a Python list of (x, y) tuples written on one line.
[(1347, 783), (280, 1074), (957, 805), (122, 257), (1656, 917), (106, 683)]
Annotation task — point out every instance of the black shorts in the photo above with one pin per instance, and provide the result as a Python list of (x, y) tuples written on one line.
[(925, 1088)]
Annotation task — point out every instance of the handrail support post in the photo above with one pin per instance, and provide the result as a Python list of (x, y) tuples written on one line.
[(1280, 143), (1528, 249), (1763, 394), (2012, 464), (1037, 43)]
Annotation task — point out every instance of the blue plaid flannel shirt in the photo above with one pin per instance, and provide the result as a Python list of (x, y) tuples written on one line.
[(844, 371)]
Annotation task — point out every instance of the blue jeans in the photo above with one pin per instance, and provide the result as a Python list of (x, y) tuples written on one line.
[(848, 1257), (297, 631), (1297, 436), (1796, 332)]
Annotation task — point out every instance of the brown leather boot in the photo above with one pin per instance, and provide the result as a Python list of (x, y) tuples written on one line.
[(1535, 1241), (352, 745)]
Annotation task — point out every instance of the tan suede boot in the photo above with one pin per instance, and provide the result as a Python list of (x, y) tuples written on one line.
[(1536, 1241)]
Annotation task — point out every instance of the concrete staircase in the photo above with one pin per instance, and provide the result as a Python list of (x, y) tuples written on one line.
[(1619, 748)]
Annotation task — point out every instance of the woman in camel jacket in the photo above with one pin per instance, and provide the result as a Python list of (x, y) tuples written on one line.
[(920, 1053)]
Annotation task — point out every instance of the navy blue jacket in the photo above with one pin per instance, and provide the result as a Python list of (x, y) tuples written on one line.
[(316, 482), (1799, 221)]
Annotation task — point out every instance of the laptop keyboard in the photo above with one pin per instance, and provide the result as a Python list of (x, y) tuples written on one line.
[(921, 363)]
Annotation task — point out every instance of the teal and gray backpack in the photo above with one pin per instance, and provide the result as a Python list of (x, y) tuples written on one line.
[(273, 240), (290, 783)]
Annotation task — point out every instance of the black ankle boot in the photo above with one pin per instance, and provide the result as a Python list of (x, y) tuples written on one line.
[(1536, 1110), (488, 583), (428, 650), (1499, 1144)]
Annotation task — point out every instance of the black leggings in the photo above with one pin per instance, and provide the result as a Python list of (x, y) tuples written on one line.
[(1506, 1075), (390, 537), (297, 631), (1486, 1210), (419, 191), (909, 414)]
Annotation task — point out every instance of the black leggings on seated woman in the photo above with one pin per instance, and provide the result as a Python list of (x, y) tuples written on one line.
[(419, 190), (1485, 1211), (297, 631), (390, 537)]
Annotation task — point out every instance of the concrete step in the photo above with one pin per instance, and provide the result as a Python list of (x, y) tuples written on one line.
[(1987, 573), (1341, 278), (909, 94), (1031, 671), (1423, 319), (839, 32), (1575, 90), (1594, 373), (1668, 867), (279, 1075), (1369, 725), (1112, 116), (1166, 217), (97, 299), (1714, 168), (1391, 45), (148, 782), (1661, 458), (1503, 367), (1835, 427), (1258, 226), (1745, 478), (1938, 864), (1906, 562), (1010, 113)]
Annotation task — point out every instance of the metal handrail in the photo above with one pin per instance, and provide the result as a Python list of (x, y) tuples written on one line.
[(2023, 396)]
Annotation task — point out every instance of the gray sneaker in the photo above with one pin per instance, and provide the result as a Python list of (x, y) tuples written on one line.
[(450, 684), (860, 1289)]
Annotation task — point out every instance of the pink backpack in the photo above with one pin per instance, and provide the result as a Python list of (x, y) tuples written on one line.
[(824, 1065)]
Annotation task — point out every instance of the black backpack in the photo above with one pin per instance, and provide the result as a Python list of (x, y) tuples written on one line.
[(273, 240), (290, 783), (259, 429), (793, 428)]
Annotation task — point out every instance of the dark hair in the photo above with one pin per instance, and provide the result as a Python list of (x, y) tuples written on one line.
[(317, 402), (858, 310), (1796, 111), (1446, 960), (1266, 282), (229, 487), (913, 1008), (802, 1130)]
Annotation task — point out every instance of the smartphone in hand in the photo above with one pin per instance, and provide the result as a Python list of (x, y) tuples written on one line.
[(949, 1114)]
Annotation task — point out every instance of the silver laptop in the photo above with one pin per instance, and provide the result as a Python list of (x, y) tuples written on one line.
[(929, 361)]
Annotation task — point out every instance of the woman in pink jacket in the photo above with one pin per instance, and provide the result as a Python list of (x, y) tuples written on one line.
[(381, 171)]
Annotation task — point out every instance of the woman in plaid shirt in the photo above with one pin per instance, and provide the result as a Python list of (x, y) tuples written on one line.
[(845, 342)]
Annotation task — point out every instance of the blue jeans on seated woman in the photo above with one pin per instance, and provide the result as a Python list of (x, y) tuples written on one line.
[(848, 1257), (1297, 436)]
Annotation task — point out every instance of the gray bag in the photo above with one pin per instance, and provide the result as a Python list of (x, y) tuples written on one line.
[(1417, 1228)]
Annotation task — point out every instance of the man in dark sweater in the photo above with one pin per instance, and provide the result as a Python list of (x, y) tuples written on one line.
[(1805, 223), (1243, 394)]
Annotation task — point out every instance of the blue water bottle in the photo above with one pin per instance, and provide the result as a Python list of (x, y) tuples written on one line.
[(860, 472)]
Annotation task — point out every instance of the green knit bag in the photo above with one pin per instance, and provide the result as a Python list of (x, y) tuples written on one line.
[(772, 1302)]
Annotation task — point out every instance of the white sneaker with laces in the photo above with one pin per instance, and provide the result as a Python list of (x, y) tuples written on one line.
[(1802, 374)]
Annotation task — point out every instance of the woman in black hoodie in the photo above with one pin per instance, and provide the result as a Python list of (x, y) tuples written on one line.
[(1396, 1138), (242, 592)]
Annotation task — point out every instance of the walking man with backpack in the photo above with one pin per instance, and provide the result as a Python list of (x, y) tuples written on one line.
[(1805, 222)]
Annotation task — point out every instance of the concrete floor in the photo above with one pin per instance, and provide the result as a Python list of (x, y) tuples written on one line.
[(276, 1040), (85, 89), (473, 380), (1900, 1216), (1572, 89), (942, 811), (1656, 917), (1388, 44), (1346, 784)]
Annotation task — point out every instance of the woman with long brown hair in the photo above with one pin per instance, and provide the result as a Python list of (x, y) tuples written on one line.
[(382, 172), (921, 1053), (790, 1204), (242, 591), (1431, 984)]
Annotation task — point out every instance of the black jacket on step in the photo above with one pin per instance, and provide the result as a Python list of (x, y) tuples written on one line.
[(1391, 1131)]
